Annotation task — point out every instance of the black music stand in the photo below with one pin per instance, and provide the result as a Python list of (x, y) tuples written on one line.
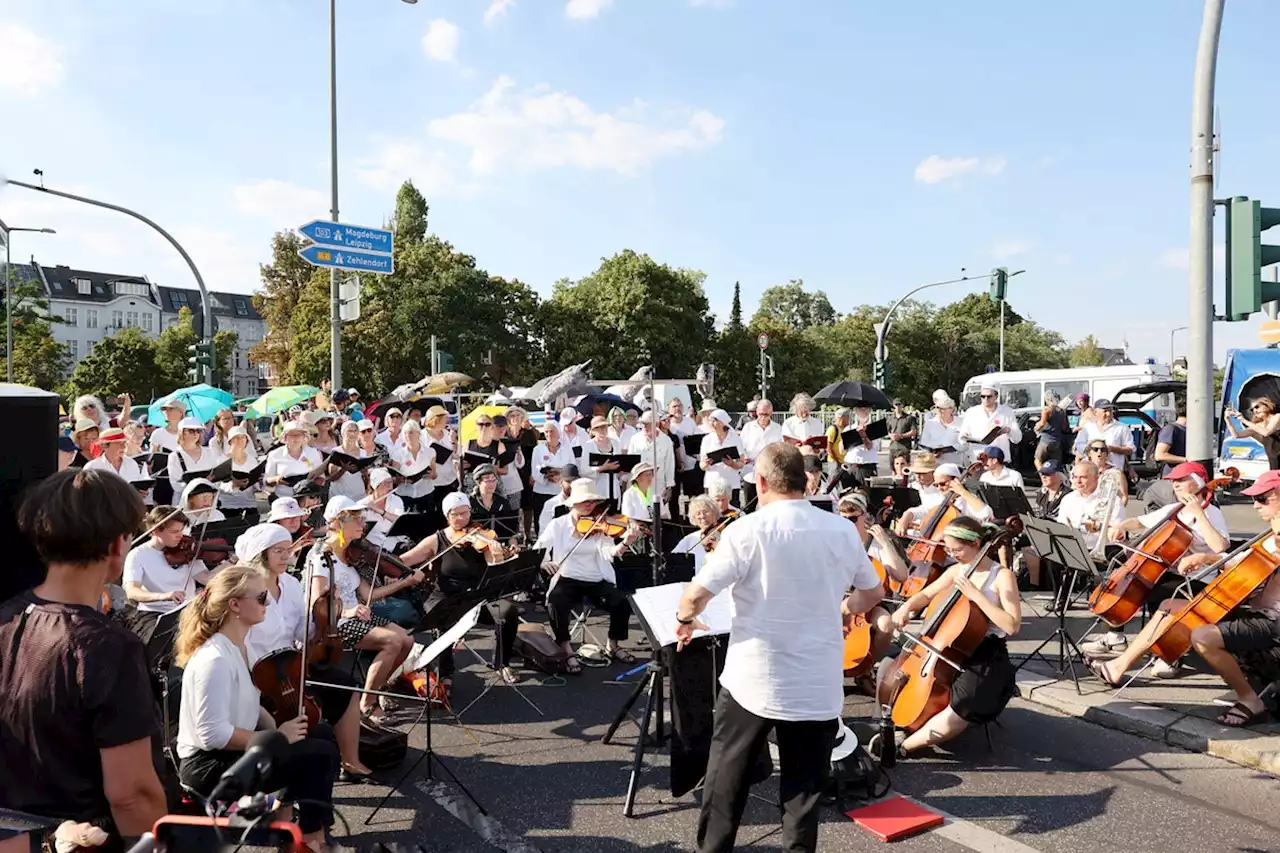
[(414, 526), (1059, 544), (1005, 501)]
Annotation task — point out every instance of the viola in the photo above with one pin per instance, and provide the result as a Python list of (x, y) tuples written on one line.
[(927, 547), (1246, 569), (1121, 596), (918, 683), (857, 643), (363, 556), (279, 677)]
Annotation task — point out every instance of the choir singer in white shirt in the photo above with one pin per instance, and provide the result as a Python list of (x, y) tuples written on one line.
[(797, 577)]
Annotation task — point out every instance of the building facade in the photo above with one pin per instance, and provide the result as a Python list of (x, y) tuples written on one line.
[(231, 311)]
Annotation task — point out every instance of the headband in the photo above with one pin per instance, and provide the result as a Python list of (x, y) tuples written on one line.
[(958, 531)]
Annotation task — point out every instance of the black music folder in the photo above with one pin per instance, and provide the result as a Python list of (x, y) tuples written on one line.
[(159, 464), (900, 498), (292, 480), (939, 451), (415, 476), (1005, 501), (626, 461), (442, 453), (350, 463), (224, 472), (989, 437), (577, 451), (717, 456), (693, 443), (471, 459), (507, 456), (143, 486), (143, 460), (415, 526)]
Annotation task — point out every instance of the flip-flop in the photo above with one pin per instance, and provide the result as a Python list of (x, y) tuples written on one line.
[(1098, 668), (1240, 715)]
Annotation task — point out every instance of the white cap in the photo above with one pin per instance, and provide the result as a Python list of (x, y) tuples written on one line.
[(190, 423), (365, 424), (947, 469), (722, 416), (708, 405), (199, 483), (339, 504), (175, 404), (295, 426), (259, 538), (568, 416), (353, 391), (453, 501), (282, 508), (378, 476), (237, 430), (646, 417), (989, 385)]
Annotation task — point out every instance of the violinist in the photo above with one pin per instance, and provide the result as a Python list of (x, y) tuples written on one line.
[(190, 459), (581, 565), (1193, 572), (705, 516), (198, 498), (238, 497), (266, 547), (221, 707), (987, 683), (385, 507), (358, 626), (460, 563), (287, 513), (292, 459), (156, 578)]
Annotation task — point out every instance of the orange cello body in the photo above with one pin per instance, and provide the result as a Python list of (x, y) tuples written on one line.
[(927, 547), (918, 683), (858, 659), (1121, 596), (1228, 590)]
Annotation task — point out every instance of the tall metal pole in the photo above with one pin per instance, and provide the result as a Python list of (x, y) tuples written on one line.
[(206, 304), (8, 312), (1273, 308), (764, 377), (1002, 336), (1200, 439), (335, 296)]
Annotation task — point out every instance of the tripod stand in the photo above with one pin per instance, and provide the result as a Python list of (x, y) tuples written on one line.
[(1063, 546), (652, 686)]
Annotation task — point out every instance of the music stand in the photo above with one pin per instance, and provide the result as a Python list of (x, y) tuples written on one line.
[(414, 526), (1060, 544), (1005, 501)]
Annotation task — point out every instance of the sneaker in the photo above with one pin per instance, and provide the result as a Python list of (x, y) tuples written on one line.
[(1111, 642), (1160, 669)]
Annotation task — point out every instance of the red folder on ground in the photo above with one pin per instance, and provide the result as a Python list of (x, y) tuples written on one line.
[(894, 818)]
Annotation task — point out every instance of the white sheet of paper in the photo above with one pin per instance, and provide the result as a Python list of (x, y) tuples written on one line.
[(447, 639), (659, 603)]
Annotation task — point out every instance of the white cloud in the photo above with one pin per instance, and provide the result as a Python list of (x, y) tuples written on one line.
[(540, 128), (1179, 258), (581, 9), (1009, 249), (286, 205), (441, 41), (433, 172), (225, 262), (935, 169), (713, 4), (30, 64), (497, 9)]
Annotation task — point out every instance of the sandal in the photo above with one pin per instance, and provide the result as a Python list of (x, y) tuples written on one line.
[(354, 777), (1241, 715), (573, 666), (508, 675), (622, 656), (1099, 669)]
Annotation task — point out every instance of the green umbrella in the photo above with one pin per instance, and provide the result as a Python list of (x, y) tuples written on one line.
[(279, 399)]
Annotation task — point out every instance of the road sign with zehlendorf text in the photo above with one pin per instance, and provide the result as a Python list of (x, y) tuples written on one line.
[(346, 259), (338, 245)]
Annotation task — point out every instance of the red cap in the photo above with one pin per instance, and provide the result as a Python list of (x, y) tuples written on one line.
[(1268, 481), (1186, 469)]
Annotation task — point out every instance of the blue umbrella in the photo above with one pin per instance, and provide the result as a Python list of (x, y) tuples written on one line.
[(203, 402)]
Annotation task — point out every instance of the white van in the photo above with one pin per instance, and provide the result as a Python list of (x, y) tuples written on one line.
[(1024, 390)]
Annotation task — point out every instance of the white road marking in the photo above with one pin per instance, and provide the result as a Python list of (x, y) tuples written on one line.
[(971, 835), (489, 829)]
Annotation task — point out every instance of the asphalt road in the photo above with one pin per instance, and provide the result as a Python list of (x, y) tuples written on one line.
[(1050, 783)]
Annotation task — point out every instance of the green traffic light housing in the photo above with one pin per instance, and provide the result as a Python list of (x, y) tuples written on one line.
[(999, 284), (1247, 255)]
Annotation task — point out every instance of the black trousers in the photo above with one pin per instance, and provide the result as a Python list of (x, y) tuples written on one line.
[(804, 753), (569, 593), (306, 773)]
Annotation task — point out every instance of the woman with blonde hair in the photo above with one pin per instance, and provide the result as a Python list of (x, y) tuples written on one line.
[(223, 421), (221, 708), (803, 425), (1264, 424)]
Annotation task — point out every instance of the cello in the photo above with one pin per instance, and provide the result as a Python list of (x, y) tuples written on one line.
[(917, 685), (1247, 568), (1119, 598), (857, 643), (927, 547)]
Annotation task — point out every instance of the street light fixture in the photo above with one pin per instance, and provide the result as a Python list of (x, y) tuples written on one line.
[(5, 231), (1173, 332)]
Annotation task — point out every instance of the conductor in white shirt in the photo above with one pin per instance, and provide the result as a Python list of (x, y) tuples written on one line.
[(789, 568)]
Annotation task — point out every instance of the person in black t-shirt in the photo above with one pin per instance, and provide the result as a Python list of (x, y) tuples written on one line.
[(76, 709), (1171, 443)]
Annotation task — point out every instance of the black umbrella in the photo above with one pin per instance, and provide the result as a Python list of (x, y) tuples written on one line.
[(853, 394)]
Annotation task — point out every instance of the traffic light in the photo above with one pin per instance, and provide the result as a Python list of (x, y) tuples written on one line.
[(879, 372), (199, 356), (444, 361), (999, 283), (1247, 255)]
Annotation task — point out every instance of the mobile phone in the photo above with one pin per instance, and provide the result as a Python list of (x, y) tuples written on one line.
[(185, 834)]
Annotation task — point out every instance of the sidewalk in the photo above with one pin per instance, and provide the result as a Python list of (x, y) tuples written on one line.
[(1179, 712)]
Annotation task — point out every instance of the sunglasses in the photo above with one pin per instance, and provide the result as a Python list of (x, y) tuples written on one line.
[(1102, 449), (261, 597), (1262, 498), (987, 396), (483, 424)]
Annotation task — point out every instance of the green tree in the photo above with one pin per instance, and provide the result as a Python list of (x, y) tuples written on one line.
[(173, 353), (121, 363), (225, 342), (736, 356), (1086, 354), (38, 359), (792, 306), (284, 282)]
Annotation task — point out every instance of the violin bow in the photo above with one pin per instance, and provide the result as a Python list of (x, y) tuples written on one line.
[(142, 537)]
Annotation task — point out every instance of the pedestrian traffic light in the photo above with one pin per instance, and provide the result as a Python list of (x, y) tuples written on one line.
[(878, 374), (444, 361), (1247, 255), (999, 283)]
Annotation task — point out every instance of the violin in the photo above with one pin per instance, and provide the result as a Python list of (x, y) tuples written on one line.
[(610, 525), (212, 551), (917, 685), (1120, 597), (364, 556)]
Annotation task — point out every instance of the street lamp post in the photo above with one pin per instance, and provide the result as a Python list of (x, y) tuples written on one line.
[(335, 286), (1173, 332), (5, 231)]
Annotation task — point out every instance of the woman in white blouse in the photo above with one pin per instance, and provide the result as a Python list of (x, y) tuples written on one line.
[(619, 430), (190, 460), (704, 514), (604, 478), (384, 507), (239, 498), (413, 457), (341, 481), (803, 424), (291, 460), (550, 457), (221, 711), (943, 431), (728, 472), (223, 422)]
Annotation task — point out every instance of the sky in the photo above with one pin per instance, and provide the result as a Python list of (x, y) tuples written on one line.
[(863, 147)]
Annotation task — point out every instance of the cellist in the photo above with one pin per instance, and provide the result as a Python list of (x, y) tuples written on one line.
[(987, 682), (853, 506), (947, 479)]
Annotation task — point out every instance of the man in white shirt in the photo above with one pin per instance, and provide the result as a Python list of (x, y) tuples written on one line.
[(997, 473), (642, 443), (113, 457), (1084, 509), (948, 479), (678, 426), (582, 569), (988, 415), (1105, 427), (789, 569), (756, 436)]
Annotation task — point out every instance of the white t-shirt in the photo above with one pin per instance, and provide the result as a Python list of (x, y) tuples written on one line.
[(282, 627), (147, 567), (391, 444), (348, 582), (591, 561), (382, 525), (721, 473), (787, 567), (218, 697), (179, 460), (129, 469), (1006, 477), (754, 439), (281, 464), (1115, 434), (162, 441), (411, 463), (1076, 508), (1216, 520)]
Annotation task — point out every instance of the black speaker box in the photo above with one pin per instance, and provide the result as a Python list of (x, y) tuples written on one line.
[(28, 454)]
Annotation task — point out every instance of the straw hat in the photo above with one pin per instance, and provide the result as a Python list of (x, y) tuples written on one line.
[(583, 491), (923, 463)]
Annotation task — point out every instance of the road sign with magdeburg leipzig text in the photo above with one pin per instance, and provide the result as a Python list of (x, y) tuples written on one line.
[(348, 247)]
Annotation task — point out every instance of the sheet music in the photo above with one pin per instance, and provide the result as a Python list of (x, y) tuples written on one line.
[(447, 639), (657, 604)]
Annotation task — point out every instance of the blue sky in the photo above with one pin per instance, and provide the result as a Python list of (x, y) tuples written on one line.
[(863, 147)]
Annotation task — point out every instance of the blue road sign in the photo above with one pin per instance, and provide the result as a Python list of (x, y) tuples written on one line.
[(357, 237), (345, 259)]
